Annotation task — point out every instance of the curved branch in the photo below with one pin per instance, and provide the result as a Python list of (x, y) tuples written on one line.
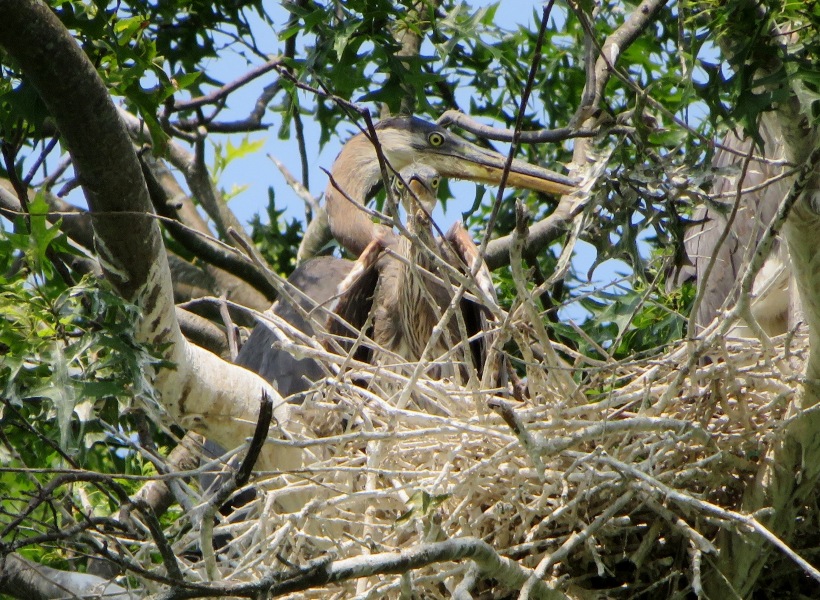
[(541, 234), (202, 391), (196, 176), (202, 332), (506, 571), (499, 134), (221, 93), (22, 578), (612, 48)]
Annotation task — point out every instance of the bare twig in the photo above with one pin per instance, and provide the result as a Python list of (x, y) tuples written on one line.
[(506, 135), (311, 203), (221, 93)]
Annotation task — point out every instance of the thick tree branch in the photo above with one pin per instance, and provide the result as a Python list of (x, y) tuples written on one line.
[(202, 391), (226, 282), (611, 50), (196, 175), (22, 578), (789, 475), (498, 134), (540, 235), (323, 571), (203, 332)]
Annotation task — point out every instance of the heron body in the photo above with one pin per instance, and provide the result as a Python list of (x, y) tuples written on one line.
[(411, 291), (407, 308), (774, 299), (319, 280)]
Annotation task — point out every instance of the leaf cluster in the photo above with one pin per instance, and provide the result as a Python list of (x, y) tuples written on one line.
[(69, 364)]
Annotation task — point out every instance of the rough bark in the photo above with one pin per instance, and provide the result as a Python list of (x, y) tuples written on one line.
[(202, 392)]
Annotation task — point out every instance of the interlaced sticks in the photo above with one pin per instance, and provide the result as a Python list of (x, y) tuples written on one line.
[(463, 473)]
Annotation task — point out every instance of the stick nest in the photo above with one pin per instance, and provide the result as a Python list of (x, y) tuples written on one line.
[(616, 486)]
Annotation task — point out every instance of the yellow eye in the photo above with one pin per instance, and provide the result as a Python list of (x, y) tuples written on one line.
[(397, 184), (435, 183), (436, 139)]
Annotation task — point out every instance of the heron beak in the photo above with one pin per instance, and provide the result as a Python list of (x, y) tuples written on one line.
[(425, 196), (418, 188), (468, 161)]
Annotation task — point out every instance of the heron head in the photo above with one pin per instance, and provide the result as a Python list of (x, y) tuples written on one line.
[(407, 140), (417, 187)]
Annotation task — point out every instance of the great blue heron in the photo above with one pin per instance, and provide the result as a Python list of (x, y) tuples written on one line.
[(407, 140), (356, 173), (765, 186), (407, 285)]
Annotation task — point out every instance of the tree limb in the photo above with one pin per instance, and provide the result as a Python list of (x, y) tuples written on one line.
[(22, 578), (202, 391), (228, 260)]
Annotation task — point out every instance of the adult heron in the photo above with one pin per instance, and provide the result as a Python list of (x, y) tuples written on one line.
[(355, 177), (762, 187)]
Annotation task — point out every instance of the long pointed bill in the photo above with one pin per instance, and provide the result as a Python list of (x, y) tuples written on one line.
[(465, 160), (424, 195)]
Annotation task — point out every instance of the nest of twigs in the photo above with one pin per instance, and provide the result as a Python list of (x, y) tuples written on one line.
[(618, 485)]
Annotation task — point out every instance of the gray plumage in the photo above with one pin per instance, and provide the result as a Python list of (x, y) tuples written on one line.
[(756, 211), (319, 278)]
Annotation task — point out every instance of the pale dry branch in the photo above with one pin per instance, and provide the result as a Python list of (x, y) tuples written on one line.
[(385, 480), (571, 483)]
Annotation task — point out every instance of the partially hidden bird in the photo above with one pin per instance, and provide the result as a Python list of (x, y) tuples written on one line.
[(408, 285), (355, 177), (757, 188)]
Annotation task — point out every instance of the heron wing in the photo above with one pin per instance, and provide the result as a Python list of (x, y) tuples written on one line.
[(463, 254), (354, 297), (317, 280)]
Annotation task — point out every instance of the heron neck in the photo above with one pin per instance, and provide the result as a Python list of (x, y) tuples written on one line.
[(356, 172), (420, 225)]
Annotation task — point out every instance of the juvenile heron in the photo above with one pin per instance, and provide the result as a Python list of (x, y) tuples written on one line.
[(357, 176), (406, 284)]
